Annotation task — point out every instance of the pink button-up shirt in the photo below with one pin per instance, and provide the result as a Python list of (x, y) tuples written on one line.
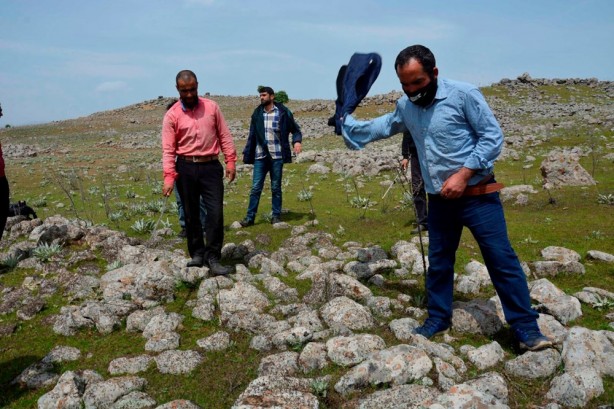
[(201, 131)]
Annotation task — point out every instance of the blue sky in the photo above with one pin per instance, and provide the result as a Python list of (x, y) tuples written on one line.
[(64, 59)]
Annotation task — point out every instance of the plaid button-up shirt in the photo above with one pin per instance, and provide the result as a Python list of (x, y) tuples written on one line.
[(271, 132)]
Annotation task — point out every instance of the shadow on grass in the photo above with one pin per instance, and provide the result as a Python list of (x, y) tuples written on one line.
[(9, 370)]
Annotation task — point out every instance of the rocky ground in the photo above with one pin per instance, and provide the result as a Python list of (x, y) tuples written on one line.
[(311, 307)]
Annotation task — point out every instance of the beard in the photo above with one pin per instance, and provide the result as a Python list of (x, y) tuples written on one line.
[(425, 95)]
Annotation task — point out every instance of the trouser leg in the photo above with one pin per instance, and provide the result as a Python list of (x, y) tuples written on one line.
[(277, 167), (211, 180), (445, 228), (484, 217), (4, 203), (189, 188), (261, 167)]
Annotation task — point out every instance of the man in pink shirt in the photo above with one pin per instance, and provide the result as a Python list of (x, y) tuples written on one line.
[(193, 133)]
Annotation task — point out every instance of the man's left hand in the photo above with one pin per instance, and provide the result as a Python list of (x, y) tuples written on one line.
[(455, 185), (230, 174), (297, 148)]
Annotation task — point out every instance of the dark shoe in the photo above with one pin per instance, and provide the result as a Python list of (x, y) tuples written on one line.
[(420, 228), (431, 327), (275, 220), (246, 222), (218, 269), (530, 337), (197, 261), (182, 234)]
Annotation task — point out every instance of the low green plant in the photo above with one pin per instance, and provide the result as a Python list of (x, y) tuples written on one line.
[(143, 226), (44, 252), (603, 303), (605, 199), (319, 387)]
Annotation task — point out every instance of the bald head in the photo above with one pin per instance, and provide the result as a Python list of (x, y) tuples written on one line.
[(186, 76)]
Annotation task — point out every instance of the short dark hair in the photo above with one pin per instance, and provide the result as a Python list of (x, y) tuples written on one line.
[(418, 52), (268, 90), (185, 75)]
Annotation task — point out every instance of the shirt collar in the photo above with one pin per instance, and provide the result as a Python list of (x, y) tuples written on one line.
[(185, 109), (442, 90)]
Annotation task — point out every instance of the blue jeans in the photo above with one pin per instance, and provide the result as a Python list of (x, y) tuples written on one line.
[(483, 215), (261, 168), (181, 211)]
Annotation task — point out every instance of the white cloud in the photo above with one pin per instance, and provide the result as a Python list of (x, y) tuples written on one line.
[(111, 86)]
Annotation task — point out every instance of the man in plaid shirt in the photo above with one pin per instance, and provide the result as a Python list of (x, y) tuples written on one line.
[(268, 148)]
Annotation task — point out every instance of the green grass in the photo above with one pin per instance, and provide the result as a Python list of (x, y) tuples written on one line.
[(80, 178)]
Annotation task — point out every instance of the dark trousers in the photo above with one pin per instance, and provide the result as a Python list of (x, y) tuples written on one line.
[(483, 215), (417, 188), (4, 203), (206, 180)]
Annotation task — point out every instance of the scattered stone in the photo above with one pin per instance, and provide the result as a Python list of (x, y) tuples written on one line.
[(178, 362)]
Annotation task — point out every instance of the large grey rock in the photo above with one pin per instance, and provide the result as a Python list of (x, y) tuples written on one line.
[(463, 396), (178, 362), (138, 320), (282, 364), (476, 276), (66, 394), (487, 355), (242, 297), (351, 350), (562, 254), (131, 366), (576, 388), (533, 365), (402, 328), (279, 392), (102, 395), (313, 357), (216, 342), (62, 354), (586, 348), (135, 400), (348, 313), (399, 397), (550, 268), (344, 285), (397, 365), (145, 284), (491, 383), (554, 301), (594, 296), (38, 375), (564, 169), (179, 404), (600, 256), (476, 317)]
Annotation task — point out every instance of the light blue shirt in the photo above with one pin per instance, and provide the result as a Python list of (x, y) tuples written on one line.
[(457, 130)]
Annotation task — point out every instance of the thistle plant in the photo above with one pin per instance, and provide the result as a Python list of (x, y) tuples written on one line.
[(606, 199), (603, 303), (305, 195), (319, 387), (143, 226), (10, 262), (45, 252)]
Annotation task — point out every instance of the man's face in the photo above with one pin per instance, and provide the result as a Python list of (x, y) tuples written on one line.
[(413, 77), (188, 92), (266, 98)]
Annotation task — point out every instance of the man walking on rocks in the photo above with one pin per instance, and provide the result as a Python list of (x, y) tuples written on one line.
[(410, 159), (458, 140), (268, 148), (193, 133)]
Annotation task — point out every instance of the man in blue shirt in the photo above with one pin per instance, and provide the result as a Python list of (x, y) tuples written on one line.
[(458, 140)]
